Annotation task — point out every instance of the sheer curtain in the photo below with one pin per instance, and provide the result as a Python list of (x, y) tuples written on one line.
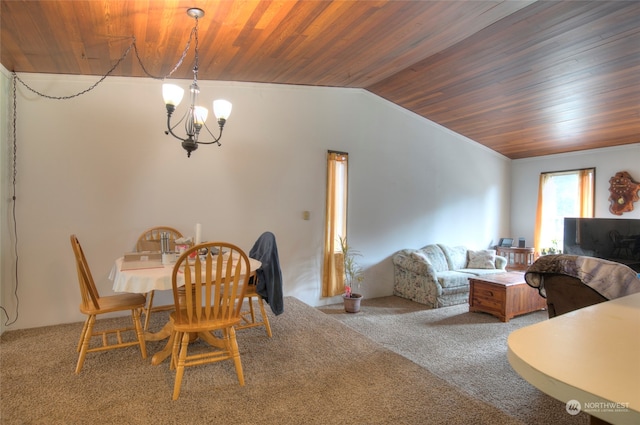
[(544, 178), (335, 224), (562, 194), (586, 192)]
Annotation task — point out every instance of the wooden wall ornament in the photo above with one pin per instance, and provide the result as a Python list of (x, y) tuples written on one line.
[(624, 192)]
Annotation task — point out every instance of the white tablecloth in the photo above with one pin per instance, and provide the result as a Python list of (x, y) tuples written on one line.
[(141, 281)]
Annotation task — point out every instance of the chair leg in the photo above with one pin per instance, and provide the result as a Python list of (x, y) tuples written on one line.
[(84, 331), (252, 323), (232, 346), (265, 319), (135, 315), (180, 368), (147, 312), (252, 311), (174, 343), (88, 331)]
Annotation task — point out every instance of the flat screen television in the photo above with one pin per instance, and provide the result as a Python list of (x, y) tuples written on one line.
[(614, 239)]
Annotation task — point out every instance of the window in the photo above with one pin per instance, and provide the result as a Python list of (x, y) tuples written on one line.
[(335, 224), (561, 194)]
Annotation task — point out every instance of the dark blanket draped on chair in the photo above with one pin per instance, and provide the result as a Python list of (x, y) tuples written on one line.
[(269, 284)]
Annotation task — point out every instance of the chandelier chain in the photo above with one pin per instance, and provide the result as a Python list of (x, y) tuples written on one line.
[(196, 64), (177, 65), (133, 46), (9, 322), (14, 134)]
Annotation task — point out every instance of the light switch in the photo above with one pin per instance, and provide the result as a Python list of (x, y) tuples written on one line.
[(306, 215)]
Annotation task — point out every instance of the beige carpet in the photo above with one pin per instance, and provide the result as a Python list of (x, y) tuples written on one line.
[(468, 350), (315, 370)]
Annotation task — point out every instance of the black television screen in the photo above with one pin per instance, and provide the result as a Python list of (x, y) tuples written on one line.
[(609, 238)]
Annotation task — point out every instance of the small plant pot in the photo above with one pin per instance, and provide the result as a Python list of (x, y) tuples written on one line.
[(352, 303)]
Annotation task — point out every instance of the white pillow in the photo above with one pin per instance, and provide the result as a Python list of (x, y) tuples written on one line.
[(484, 259)]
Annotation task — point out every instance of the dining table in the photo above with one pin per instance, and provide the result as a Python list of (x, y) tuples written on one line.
[(587, 358), (154, 275)]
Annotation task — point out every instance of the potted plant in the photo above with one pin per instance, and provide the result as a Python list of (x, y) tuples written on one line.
[(353, 277), (553, 250)]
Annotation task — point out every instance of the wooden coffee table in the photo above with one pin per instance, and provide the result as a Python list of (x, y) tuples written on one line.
[(504, 295)]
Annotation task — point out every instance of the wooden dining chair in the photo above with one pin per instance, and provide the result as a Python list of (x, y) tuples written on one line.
[(265, 282), (93, 304), (250, 318), (149, 240), (209, 301)]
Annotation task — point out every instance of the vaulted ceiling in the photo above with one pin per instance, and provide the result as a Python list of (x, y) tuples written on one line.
[(524, 78)]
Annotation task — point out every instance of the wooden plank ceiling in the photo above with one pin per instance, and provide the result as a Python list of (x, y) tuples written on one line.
[(524, 78)]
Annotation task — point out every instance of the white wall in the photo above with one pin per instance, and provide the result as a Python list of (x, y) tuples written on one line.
[(100, 166), (526, 173)]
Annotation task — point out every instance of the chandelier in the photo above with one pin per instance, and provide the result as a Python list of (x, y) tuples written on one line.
[(195, 117)]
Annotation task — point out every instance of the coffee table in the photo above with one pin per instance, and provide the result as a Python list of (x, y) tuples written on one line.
[(504, 295)]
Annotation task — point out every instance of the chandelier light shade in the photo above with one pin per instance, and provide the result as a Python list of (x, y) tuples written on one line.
[(196, 116), (172, 94), (222, 109)]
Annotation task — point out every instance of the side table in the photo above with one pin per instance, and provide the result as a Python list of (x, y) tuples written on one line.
[(518, 259)]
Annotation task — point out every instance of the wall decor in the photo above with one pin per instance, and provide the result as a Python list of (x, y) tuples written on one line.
[(624, 192)]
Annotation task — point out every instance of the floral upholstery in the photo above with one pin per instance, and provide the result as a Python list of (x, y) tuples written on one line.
[(452, 278), (456, 256), (438, 275), (436, 257)]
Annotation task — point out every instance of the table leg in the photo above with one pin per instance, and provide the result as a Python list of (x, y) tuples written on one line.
[(163, 333), (210, 339), (161, 355)]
